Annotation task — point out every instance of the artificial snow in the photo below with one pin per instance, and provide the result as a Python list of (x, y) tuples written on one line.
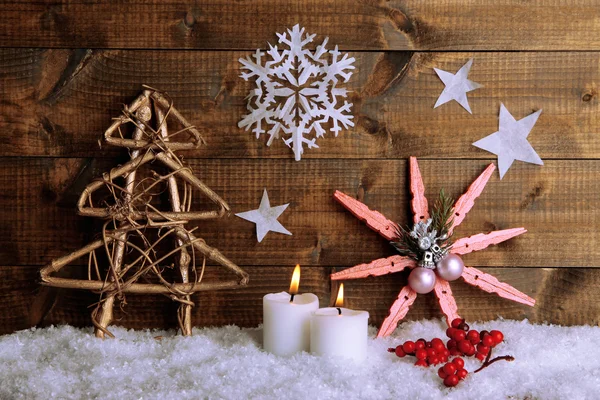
[(551, 362)]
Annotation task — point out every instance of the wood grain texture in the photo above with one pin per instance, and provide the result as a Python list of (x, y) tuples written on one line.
[(564, 295), (557, 203), (67, 66), (375, 25), (59, 102)]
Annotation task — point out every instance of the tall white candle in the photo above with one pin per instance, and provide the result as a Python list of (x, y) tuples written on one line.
[(286, 325), (338, 331), (286, 319)]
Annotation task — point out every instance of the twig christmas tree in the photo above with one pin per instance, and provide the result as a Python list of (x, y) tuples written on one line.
[(136, 229)]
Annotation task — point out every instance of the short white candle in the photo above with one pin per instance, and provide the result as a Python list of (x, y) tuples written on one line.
[(286, 319), (339, 334), (286, 325)]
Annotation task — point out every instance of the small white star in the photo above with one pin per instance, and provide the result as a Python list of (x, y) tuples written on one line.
[(457, 86), (510, 143), (265, 218)]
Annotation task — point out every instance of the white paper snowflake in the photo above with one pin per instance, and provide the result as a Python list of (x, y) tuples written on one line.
[(296, 91)]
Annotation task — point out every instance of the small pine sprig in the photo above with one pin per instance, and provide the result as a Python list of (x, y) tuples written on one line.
[(405, 244), (442, 217)]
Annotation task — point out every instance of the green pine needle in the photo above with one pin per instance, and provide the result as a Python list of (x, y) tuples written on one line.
[(442, 217), (442, 214)]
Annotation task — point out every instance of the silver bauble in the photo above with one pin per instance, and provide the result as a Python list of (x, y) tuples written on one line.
[(421, 280), (450, 267)]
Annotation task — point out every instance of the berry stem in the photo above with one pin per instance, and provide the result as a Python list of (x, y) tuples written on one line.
[(489, 362)]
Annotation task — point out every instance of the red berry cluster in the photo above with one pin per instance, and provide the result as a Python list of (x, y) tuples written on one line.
[(427, 353), (463, 342), (469, 342), (453, 372)]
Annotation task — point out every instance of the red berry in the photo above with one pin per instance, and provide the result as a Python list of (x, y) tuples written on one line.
[(480, 356), (431, 353), (438, 346), (445, 353), (471, 351), (464, 346), (428, 345), (399, 351), (497, 336), (451, 344), (449, 369), (456, 322), (463, 326), (421, 354), (450, 332), (481, 348), (441, 373), (433, 360), (473, 336), (455, 352), (451, 381), (488, 341), (408, 347), (462, 373), (459, 335), (443, 358), (419, 345), (459, 362), (483, 333), (421, 363)]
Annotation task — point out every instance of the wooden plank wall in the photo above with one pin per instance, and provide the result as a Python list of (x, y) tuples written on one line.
[(66, 68)]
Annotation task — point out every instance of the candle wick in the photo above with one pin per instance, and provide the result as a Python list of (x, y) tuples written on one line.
[(292, 297), (339, 310)]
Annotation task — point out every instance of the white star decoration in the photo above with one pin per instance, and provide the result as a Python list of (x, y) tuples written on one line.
[(457, 86), (265, 218), (510, 143)]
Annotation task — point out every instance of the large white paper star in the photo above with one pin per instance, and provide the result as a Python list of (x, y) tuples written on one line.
[(510, 143), (457, 86), (265, 218)]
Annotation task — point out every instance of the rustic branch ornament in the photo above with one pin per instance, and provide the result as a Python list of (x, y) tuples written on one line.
[(135, 228), (390, 231)]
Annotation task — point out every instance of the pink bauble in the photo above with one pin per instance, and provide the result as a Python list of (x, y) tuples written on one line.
[(450, 267), (421, 280)]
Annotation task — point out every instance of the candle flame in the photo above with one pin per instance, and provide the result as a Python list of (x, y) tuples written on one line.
[(340, 297), (295, 280)]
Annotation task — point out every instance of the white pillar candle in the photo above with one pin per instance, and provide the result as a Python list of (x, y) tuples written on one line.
[(335, 334), (286, 325), (338, 331)]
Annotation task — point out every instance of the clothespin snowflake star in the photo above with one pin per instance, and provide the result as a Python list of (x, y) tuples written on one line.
[(389, 230), (296, 93)]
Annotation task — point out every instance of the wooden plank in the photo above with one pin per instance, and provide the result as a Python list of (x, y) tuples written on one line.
[(375, 25), (557, 203), (58, 102), (564, 295)]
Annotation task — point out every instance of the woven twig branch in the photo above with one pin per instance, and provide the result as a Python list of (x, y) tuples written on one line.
[(130, 213)]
